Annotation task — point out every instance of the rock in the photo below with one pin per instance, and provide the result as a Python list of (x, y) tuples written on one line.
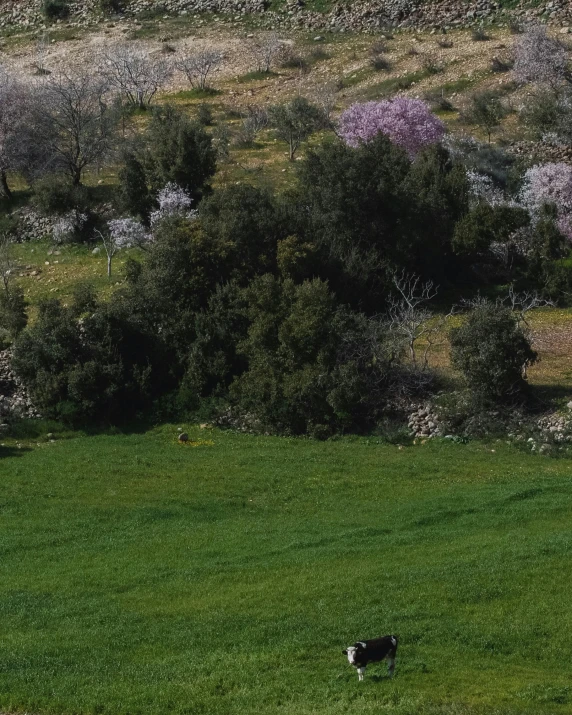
[(183, 437), (14, 399), (96, 251)]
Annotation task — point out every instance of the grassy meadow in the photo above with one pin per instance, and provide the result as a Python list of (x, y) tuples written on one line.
[(139, 575)]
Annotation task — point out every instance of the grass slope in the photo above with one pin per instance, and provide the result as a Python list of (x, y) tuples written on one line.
[(143, 576)]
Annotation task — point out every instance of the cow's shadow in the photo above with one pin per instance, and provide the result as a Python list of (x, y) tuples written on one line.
[(378, 678)]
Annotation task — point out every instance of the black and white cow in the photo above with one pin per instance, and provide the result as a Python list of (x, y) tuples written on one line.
[(362, 653)]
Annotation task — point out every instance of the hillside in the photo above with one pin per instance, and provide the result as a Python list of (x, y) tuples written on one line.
[(335, 15)]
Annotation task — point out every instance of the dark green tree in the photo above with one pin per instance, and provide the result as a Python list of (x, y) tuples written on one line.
[(351, 204), (486, 111), (438, 198), (492, 351), (13, 316), (311, 365), (97, 367), (178, 151), (248, 221), (295, 121), (134, 197), (484, 224)]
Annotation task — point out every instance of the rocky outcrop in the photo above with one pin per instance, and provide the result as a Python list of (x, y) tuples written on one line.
[(344, 15), (547, 433), (542, 151), (32, 226), (14, 399), (424, 422)]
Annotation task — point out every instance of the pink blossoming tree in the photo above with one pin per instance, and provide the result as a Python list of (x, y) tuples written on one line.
[(407, 122)]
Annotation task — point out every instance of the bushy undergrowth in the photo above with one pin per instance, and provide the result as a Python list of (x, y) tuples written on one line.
[(277, 305), (55, 9), (492, 351)]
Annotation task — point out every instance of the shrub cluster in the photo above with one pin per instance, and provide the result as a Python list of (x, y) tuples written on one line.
[(277, 304), (55, 9)]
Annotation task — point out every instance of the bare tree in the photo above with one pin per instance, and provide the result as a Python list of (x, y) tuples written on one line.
[(520, 303), (325, 98), (197, 67), (14, 114), (254, 120), (41, 53), (110, 245), (71, 124), (410, 320), (525, 301), (6, 263), (135, 75), (264, 51)]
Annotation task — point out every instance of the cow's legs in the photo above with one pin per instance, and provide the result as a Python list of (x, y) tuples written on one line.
[(361, 672), (390, 666)]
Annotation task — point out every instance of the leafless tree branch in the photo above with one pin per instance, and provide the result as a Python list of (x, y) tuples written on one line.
[(135, 75), (197, 67), (264, 51), (408, 317)]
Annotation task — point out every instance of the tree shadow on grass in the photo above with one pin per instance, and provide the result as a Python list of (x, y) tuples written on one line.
[(544, 397), (13, 451)]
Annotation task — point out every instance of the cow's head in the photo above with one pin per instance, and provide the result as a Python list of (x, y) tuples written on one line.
[(352, 651)]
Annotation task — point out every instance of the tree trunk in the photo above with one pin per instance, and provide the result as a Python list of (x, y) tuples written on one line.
[(109, 266), (292, 148), (5, 187)]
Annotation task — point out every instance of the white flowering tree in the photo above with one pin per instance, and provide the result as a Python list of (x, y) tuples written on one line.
[(173, 201), (68, 226), (483, 190), (549, 185), (540, 58), (123, 233)]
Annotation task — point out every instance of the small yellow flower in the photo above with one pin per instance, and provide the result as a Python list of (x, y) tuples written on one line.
[(197, 443)]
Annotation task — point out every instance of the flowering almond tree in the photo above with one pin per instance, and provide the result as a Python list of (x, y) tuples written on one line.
[(407, 122), (173, 201), (122, 233), (540, 59), (549, 184)]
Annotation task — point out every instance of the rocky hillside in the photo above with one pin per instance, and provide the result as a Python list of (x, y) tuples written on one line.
[(334, 15)]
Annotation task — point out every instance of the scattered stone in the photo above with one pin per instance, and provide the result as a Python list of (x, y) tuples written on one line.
[(15, 403)]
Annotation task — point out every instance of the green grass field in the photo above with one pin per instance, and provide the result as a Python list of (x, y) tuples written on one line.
[(143, 576)]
